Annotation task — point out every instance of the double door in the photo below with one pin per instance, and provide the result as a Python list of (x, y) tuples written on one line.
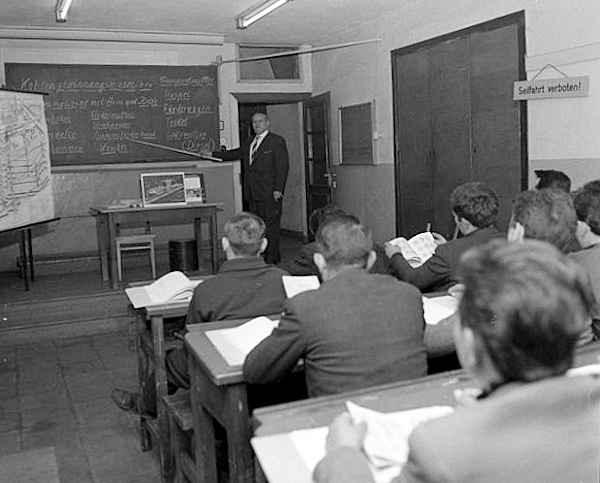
[(455, 121)]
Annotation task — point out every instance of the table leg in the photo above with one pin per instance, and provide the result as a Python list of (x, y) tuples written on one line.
[(198, 237), (112, 260), (144, 382), (205, 460), (213, 241), (160, 383), (102, 241), (24, 260), (30, 249), (236, 417)]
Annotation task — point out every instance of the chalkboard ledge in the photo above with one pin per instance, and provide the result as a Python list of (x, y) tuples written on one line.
[(170, 165)]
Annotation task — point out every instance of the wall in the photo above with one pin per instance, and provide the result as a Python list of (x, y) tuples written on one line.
[(562, 132), (76, 190), (286, 121)]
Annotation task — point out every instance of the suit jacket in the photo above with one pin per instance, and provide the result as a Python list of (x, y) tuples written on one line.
[(438, 273), (546, 431), (244, 287), (357, 330), (269, 170), (589, 259)]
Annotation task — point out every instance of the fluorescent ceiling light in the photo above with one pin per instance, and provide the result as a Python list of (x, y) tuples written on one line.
[(62, 8), (257, 12)]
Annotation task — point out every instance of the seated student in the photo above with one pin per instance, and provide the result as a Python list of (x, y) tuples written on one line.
[(474, 207), (553, 179), (520, 315), (244, 287), (303, 263), (583, 199), (358, 329), (589, 257), (549, 215)]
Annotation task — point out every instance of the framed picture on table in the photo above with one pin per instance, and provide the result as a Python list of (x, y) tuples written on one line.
[(162, 189)]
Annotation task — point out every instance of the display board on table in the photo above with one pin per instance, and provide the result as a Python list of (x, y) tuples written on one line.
[(25, 179), (93, 110)]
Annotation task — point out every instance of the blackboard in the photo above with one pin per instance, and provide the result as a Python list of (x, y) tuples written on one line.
[(92, 109)]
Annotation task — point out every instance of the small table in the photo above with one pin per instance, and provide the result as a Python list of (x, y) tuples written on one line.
[(107, 220), (273, 424)]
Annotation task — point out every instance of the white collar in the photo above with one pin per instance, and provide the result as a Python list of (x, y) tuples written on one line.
[(260, 137)]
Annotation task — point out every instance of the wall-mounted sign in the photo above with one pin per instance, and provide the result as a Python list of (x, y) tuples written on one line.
[(549, 88)]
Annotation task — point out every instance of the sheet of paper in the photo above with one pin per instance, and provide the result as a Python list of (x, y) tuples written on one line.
[(297, 284), (438, 308), (589, 370), (235, 343), (141, 297)]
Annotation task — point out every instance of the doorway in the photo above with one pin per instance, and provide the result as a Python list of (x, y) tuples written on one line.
[(455, 121), (285, 116)]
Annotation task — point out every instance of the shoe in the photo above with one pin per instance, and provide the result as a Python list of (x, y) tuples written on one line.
[(126, 400)]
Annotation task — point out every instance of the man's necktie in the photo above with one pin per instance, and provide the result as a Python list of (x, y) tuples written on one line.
[(253, 147)]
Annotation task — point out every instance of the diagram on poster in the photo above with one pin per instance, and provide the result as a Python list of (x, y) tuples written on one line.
[(25, 178)]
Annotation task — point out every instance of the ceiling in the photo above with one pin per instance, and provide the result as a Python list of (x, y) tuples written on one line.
[(315, 22)]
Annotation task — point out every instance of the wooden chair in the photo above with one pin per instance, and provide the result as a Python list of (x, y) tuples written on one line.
[(129, 243), (179, 416)]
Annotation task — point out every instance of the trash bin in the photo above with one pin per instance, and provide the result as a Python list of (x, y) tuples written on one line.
[(183, 255)]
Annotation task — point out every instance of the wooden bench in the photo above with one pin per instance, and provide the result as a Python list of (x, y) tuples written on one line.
[(179, 417)]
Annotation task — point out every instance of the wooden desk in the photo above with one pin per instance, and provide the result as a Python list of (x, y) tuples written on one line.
[(152, 346), (107, 220), (218, 392), (278, 455)]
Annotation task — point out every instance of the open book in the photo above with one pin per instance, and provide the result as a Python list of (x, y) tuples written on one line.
[(385, 444), (172, 287), (418, 249), (235, 343)]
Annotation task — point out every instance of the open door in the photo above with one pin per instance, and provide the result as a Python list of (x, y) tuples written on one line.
[(320, 180)]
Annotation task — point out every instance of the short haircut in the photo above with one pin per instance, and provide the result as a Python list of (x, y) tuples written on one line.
[(551, 178), (587, 205), (547, 215), (476, 203), (342, 240), (318, 216), (245, 232), (527, 304)]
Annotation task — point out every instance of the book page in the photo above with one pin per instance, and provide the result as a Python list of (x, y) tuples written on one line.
[(424, 245), (295, 284), (386, 441), (437, 309), (235, 343), (167, 286)]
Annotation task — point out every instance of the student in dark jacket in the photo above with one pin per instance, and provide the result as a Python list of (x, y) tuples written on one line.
[(303, 262), (521, 313), (357, 330), (475, 208), (244, 287)]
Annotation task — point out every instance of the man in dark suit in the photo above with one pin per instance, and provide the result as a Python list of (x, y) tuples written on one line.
[(265, 168), (358, 329), (521, 313), (475, 208)]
